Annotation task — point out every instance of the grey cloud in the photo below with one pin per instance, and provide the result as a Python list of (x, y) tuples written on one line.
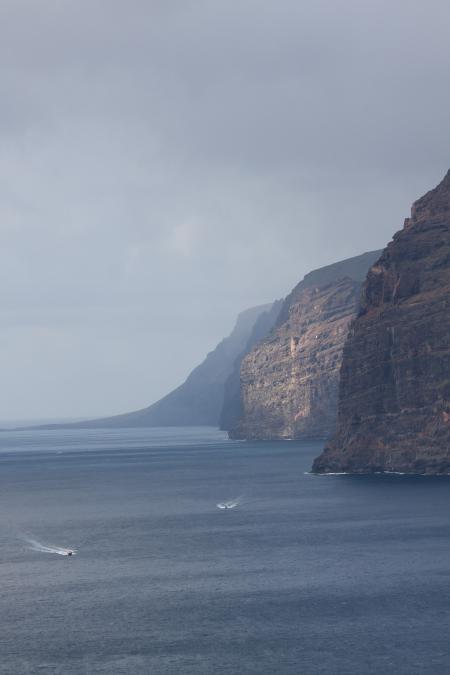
[(164, 165)]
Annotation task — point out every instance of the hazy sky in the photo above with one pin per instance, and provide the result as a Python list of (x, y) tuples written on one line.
[(166, 164)]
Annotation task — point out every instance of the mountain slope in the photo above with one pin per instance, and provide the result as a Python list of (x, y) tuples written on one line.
[(199, 400)]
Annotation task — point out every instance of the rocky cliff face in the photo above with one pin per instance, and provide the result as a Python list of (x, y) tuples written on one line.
[(289, 381), (394, 403), (232, 402)]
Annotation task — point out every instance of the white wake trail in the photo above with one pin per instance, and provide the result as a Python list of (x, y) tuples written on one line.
[(35, 545)]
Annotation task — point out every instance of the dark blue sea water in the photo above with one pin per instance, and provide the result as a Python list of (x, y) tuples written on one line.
[(307, 575)]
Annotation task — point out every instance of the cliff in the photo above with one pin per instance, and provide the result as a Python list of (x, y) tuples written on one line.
[(394, 400), (232, 403), (289, 381), (199, 400)]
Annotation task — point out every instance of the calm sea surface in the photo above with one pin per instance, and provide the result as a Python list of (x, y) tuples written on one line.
[(306, 575)]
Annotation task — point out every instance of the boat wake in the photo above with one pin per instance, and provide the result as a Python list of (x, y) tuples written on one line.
[(35, 545), (231, 504)]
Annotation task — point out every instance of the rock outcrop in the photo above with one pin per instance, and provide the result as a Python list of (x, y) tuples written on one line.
[(394, 401), (289, 381)]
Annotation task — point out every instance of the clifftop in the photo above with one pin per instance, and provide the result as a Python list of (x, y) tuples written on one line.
[(353, 268), (433, 206)]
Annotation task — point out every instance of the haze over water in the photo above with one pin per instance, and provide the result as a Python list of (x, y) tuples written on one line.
[(307, 575)]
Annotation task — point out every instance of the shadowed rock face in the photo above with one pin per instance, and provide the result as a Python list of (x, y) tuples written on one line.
[(394, 401), (289, 381)]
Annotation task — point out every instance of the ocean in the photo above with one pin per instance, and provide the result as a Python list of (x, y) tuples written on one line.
[(306, 575)]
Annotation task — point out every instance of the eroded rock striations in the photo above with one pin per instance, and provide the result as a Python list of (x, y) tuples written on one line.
[(394, 402), (289, 381)]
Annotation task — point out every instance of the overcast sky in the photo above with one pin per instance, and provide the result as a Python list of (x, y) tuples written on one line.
[(165, 164)]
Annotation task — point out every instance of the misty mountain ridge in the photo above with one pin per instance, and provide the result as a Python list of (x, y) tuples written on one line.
[(199, 400), (211, 395)]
